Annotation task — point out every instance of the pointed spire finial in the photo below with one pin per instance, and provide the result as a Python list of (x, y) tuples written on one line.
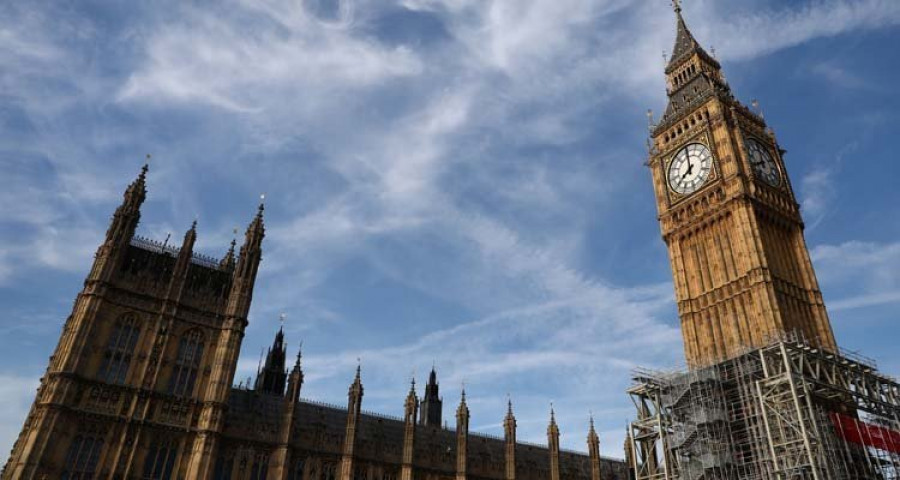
[(299, 355), (145, 168), (676, 4)]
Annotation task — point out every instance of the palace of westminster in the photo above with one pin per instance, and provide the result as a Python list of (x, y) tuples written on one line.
[(140, 385)]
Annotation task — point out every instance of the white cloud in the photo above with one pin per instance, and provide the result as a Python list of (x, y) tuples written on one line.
[(756, 31), (867, 273), (399, 129), (16, 395), (818, 188), (293, 53)]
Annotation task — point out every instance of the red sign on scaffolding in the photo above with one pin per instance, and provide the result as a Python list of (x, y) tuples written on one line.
[(861, 433)]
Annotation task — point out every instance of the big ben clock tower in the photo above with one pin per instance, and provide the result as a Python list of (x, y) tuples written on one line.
[(728, 214)]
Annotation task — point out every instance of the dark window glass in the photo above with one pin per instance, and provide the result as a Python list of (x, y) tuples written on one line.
[(260, 467), (298, 469), (224, 466), (187, 364), (82, 458), (119, 350), (160, 461)]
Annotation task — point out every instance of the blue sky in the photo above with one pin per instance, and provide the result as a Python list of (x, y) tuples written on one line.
[(448, 181)]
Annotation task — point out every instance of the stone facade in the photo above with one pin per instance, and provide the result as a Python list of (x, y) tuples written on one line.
[(141, 387), (729, 217)]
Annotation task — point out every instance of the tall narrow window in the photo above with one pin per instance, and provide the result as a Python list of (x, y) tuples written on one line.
[(260, 467), (83, 456), (187, 364), (160, 461), (298, 469), (329, 472), (119, 350), (224, 466)]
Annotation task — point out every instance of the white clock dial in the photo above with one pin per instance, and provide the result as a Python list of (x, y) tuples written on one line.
[(690, 168), (763, 165)]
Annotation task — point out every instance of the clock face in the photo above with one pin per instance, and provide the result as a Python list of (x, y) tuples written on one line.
[(690, 169), (763, 165)]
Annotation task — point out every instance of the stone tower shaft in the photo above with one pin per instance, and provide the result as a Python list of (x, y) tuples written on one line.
[(729, 217)]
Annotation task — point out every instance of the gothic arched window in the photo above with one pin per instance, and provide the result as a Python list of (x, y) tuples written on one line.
[(83, 456), (160, 461), (329, 472), (260, 468), (224, 465), (298, 469), (119, 350), (360, 472), (187, 364)]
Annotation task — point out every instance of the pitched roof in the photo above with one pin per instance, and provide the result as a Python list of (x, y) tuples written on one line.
[(685, 44)]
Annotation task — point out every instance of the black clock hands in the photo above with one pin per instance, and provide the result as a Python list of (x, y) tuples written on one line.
[(689, 170)]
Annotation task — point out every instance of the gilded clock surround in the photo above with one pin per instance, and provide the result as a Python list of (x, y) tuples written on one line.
[(702, 138)]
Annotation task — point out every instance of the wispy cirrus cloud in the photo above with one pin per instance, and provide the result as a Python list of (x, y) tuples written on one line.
[(866, 273), (452, 156)]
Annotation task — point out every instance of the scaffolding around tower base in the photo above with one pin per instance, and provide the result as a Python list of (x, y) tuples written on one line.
[(784, 411)]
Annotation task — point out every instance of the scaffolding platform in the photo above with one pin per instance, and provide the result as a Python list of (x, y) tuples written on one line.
[(782, 412)]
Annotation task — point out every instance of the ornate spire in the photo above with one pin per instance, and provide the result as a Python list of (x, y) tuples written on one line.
[(462, 437), (192, 232), (356, 388), (299, 361), (509, 434), (128, 213), (251, 255), (273, 376), (295, 381), (684, 39), (593, 442), (553, 428), (685, 43), (692, 75), (137, 191), (412, 403), (593, 438), (463, 410), (183, 263), (432, 404), (509, 422), (410, 409), (553, 444), (227, 262)]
